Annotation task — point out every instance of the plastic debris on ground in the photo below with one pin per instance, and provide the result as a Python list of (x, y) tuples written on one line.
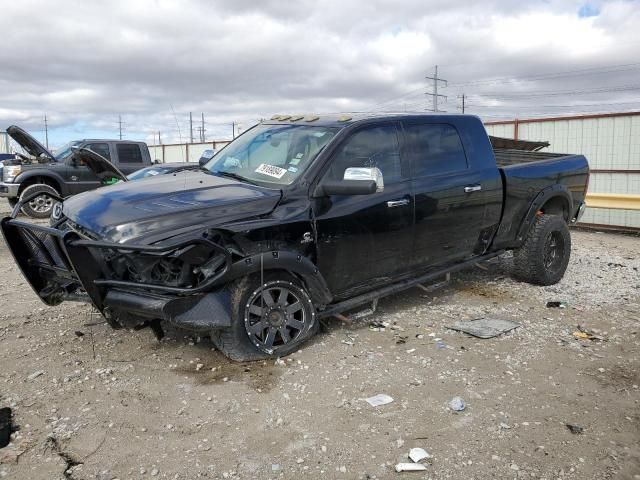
[(484, 327), (457, 404), (575, 429), (584, 334), (5, 426), (378, 400), (410, 467), (557, 304), (418, 454)]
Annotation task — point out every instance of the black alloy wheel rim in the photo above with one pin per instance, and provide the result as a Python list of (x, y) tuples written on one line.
[(553, 251), (275, 316)]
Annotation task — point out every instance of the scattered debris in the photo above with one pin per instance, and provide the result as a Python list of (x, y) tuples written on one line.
[(440, 344), (275, 467), (79, 333), (457, 404), (410, 467), (35, 375), (5, 426), (378, 400), (484, 327), (584, 334), (575, 429), (556, 304), (418, 454)]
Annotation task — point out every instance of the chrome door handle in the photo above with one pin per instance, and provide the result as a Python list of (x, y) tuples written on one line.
[(473, 188), (397, 203)]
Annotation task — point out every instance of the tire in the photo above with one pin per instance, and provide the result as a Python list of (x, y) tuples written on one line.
[(42, 205), (543, 257), (278, 330)]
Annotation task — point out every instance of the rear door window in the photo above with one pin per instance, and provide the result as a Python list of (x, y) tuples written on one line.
[(129, 153), (370, 147), (434, 149), (101, 149)]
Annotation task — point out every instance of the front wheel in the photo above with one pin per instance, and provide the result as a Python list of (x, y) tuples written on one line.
[(41, 205), (543, 257), (270, 319)]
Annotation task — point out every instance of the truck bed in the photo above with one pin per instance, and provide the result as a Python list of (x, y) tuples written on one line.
[(507, 157)]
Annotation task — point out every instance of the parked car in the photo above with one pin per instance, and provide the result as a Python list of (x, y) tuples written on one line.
[(162, 169), (206, 156), (50, 176), (301, 218)]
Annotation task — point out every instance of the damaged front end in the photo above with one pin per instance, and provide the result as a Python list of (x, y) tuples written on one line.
[(132, 285)]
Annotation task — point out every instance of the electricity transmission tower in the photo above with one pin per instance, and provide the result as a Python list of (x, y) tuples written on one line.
[(434, 93)]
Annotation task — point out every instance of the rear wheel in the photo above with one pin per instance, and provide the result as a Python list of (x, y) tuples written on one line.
[(41, 205), (270, 319), (543, 257)]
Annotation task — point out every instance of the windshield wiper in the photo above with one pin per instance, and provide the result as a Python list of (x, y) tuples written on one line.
[(235, 176)]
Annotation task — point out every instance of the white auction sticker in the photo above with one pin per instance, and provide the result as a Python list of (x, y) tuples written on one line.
[(271, 170)]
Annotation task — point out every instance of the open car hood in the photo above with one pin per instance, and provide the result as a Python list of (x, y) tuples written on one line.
[(28, 143), (103, 168)]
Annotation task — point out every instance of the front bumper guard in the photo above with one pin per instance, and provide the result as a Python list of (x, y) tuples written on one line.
[(59, 265)]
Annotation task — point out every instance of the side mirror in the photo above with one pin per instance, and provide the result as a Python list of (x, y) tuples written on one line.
[(360, 173), (157, 162), (356, 181), (203, 161)]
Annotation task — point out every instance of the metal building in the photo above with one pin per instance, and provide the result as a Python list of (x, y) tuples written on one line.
[(4, 143), (611, 143)]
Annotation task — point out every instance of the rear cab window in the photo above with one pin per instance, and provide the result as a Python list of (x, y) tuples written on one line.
[(434, 149), (129, 153)]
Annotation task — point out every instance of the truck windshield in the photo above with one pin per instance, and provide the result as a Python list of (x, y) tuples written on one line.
[(271, 153), (63, 152)]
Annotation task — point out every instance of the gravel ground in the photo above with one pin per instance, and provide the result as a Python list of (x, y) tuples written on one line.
[(95, 403)]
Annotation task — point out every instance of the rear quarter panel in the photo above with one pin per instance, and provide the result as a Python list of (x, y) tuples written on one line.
[(523, 183)]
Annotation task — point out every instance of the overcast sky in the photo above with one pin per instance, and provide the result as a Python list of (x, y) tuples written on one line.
[(85, 63)]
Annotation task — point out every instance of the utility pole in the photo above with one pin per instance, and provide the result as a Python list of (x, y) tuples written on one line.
[(462, 98), (191, 126), (202, 130), (233, 127), (120, 125), (159, 139), (434, 94), (46, 132)]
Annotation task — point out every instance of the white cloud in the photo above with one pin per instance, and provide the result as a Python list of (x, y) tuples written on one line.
[(85, 63)]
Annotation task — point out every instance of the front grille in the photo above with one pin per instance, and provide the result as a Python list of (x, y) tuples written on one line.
[(44, 248)]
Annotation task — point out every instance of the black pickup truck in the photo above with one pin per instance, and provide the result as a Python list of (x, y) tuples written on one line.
[(301, 218), (49, 176)]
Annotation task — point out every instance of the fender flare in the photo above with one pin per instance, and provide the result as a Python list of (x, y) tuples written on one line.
[(43, 173), (554, 191), (293, 262)]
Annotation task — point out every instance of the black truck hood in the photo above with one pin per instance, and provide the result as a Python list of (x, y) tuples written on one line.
[(30, 144), (159, 207)]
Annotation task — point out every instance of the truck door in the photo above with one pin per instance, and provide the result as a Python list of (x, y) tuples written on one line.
[(457, 202), (129, 157), (364, 240), (79, 176)]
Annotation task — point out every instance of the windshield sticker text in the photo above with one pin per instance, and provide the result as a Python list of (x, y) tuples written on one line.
[(271, 170)]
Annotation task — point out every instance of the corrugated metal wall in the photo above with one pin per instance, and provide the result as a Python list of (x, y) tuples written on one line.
[(611, 143), (183, 152)]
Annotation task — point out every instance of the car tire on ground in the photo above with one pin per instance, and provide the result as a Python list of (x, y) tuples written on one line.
[(41, 205), (270, 319), (543, 257)]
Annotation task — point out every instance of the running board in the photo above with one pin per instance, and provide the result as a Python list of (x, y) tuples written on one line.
[(338, 308)]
